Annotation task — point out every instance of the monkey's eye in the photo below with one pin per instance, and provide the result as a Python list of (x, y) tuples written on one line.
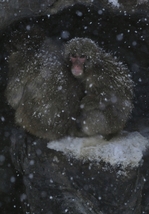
[(73, 55), (82, 56)]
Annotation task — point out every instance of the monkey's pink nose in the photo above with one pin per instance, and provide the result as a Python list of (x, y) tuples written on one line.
[(77, 71)]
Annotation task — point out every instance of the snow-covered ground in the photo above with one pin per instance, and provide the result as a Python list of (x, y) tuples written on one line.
[(125, 150)]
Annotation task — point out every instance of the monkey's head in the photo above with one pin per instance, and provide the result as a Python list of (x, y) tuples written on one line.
[(82, 53)]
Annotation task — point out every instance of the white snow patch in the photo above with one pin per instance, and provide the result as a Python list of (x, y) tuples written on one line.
[(125, 149), (114, 2), (141, 1)]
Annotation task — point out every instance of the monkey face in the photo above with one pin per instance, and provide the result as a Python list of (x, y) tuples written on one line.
[(77, 65)]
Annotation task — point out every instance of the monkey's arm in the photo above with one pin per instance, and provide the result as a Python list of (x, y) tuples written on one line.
[(98, 98), (105, 113)]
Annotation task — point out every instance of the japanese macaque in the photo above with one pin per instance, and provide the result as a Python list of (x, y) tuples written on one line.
[(69, 89), (108, 88)]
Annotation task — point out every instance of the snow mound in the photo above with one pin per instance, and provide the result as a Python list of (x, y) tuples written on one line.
[(125, 149)]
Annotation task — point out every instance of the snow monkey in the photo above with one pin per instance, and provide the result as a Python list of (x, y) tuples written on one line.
[(72, 88)]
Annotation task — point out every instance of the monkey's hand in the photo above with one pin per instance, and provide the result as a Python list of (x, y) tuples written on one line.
[(89, 102), (107, 99)]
